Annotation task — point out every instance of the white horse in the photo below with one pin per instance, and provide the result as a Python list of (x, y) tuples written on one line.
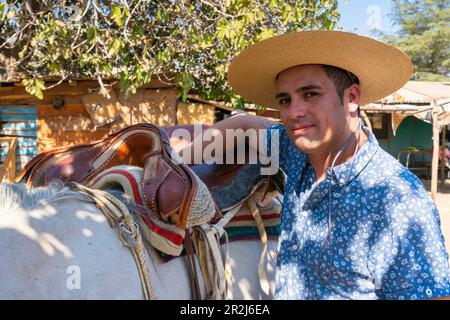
[(56, 244)]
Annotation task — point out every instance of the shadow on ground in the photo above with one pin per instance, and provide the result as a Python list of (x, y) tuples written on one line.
[(441, 187)]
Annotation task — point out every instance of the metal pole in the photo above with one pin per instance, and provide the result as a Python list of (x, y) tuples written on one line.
[(435, 159), (443, 159)]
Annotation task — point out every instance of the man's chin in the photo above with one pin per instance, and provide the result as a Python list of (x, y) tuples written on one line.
[(305, 143), (306, 146)]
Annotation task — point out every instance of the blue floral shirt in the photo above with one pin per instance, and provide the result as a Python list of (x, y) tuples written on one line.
[(386, 240)]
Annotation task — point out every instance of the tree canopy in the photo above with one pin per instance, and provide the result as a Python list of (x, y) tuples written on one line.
[(424, 35), (183, 42)]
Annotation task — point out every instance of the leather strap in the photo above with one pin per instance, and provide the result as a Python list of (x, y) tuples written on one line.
[(190, 255), (263, 280), (119, 216)]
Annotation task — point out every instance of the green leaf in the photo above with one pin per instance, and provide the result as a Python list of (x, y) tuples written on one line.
[(125, 14), (115, 47), (40, 83), (117, 16), (220, 54), (91, 34), (137, 31), (222, 30), (186, 85), (2, 10), (34, 86), (22, 52), (266, 34), (54, 68), (39, 94), (41, 36), (11, 14), (106, 67)]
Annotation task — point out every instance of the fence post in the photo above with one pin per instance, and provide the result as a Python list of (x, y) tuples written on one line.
[(9, 165)]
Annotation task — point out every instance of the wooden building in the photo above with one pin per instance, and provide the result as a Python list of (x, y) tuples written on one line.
[(74, 112)]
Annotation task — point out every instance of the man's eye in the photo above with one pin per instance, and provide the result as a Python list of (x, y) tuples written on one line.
[(283, 101), (310, 94)]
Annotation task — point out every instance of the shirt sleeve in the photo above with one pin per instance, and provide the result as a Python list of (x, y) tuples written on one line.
[(277, 146), (410, 256)]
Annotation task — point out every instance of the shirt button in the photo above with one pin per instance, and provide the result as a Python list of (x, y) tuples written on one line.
[(429, 292)]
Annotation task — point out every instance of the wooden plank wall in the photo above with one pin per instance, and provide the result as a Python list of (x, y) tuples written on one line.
[(72, 124), (151, 105), (66, 126), (195, 112)]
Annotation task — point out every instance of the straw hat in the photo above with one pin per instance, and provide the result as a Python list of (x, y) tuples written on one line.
[(381, 68)]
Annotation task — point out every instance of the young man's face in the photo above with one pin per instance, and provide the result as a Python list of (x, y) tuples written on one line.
[(311, 110)]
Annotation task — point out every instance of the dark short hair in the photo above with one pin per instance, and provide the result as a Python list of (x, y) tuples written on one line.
[(342, 79)]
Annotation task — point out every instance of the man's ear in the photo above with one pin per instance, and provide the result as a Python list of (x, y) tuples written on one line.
[(353, 96)]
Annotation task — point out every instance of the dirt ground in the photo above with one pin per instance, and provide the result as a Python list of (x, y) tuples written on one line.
[(443, 203)]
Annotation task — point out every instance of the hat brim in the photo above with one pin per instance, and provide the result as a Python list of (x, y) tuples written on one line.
[(381, 68)]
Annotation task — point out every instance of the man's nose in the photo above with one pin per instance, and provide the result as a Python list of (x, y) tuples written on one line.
[(296, 109)]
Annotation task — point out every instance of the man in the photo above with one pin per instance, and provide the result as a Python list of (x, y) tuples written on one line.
[(356, 224)]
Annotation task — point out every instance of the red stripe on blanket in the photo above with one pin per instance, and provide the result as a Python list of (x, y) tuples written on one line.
[(131, 179), (171, 236)]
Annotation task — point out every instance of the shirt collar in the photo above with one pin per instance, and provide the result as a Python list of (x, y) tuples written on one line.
[(344, 173), (361, 159)]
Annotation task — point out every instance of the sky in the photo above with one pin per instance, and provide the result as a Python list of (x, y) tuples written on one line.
[(360, 16)]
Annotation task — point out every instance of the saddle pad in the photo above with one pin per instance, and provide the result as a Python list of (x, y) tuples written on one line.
[(243, 226), (242, 185), (163, 236), (270, 214)]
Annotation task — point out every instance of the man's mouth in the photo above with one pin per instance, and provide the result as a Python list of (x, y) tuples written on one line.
[(301, 128)]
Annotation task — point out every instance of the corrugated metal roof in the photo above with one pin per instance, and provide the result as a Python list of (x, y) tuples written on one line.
[(420, 92), (415, 99), (396, 107)]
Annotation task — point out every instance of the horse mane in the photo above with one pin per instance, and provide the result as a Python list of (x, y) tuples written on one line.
[(119, 194), (15, 196)]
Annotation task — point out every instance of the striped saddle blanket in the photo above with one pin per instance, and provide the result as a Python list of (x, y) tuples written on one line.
[(168, 238)]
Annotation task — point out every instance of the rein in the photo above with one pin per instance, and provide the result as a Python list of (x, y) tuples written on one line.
[(118, 214)]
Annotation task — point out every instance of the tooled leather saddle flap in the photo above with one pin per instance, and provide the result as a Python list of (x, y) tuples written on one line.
[(168, 187)]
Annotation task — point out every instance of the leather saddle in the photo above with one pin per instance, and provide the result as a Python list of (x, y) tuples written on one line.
[(168, 186), (231, 184)]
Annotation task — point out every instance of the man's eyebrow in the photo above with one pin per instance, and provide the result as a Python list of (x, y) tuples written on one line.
[(281, 94), (308, 87), (302, 88)]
